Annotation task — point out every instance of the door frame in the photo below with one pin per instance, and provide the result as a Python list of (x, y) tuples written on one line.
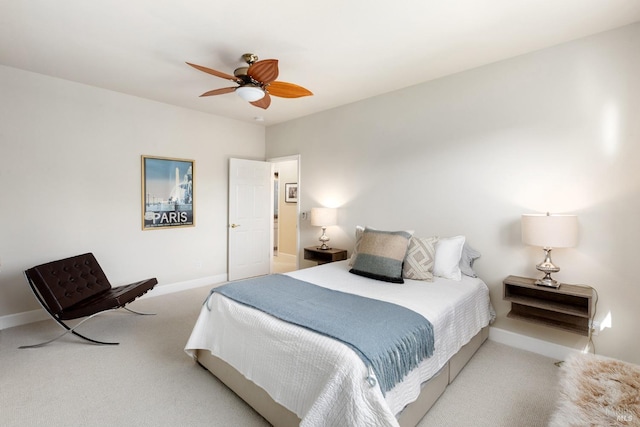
[(274, 160)]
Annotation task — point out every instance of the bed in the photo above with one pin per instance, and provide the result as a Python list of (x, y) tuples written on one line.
[(294, 376)]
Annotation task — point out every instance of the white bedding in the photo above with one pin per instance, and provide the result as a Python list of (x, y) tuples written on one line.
[(322, 380)]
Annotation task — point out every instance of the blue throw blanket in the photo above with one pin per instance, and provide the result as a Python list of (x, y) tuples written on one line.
[(390, 339)]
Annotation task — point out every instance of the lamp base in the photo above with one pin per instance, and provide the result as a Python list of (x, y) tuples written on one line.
[(547, 267), (548, 282), (324, 239)]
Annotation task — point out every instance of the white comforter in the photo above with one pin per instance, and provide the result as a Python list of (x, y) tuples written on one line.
[(322, 380)]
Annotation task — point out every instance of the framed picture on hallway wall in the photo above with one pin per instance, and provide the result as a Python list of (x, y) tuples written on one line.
[(291, 192), (167, 192)]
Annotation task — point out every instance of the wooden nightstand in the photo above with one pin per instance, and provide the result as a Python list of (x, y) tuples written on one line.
[(323, 256), (568, 307)]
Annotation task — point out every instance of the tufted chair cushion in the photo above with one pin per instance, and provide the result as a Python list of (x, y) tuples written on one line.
[(77, 286)]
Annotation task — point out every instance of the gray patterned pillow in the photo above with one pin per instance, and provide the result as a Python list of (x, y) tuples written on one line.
[(469, 255), (380, 255), (418, 263)]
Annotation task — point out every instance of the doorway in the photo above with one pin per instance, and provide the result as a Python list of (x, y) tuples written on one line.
[(285, 213)]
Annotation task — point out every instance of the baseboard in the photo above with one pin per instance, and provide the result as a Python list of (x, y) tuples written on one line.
[(534, 345), (186, 285), (285, 257), (17, 319), (32, 316)]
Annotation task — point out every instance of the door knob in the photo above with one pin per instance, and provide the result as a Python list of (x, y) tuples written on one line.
[(235, 225)]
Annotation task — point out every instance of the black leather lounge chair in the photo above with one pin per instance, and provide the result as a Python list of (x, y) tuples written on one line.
[(77, 287)]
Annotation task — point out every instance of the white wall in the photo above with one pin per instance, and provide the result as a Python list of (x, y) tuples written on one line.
[(556, 130), (70, 178)]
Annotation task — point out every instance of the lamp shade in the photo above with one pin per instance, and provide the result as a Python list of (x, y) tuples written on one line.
[(250, 93), (324, 217), (550, 231)]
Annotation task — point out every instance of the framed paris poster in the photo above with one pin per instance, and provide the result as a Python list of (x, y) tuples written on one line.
[(167, 193)]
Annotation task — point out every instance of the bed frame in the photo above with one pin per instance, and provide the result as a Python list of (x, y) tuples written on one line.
[(279, 416)]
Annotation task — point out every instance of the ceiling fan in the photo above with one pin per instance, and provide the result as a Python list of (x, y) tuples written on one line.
[(256, 82)]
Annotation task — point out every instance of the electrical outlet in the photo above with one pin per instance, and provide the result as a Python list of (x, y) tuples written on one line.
[(595, 327)]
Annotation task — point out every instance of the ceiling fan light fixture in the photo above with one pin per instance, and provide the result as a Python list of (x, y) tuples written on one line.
[(250, 93), (252, 82)]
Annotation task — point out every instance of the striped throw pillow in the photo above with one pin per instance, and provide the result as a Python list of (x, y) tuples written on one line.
[(381, 254)]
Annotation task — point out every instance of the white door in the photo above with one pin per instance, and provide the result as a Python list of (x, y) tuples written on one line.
[(250, 223)]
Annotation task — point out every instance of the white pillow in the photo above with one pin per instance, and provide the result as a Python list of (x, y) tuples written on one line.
[(448, 254)]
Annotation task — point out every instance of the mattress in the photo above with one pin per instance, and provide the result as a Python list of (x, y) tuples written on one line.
[(321, 380)]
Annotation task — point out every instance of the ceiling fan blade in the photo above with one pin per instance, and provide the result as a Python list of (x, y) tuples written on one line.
[(215, 72), (219, 91), (263, 103), (264, 71), (287, 90)]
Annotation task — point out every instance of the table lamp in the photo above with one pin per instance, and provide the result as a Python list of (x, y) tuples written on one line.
[(324, 217), (549, 231)]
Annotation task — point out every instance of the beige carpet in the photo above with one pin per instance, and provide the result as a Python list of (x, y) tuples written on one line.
[(149, 381)]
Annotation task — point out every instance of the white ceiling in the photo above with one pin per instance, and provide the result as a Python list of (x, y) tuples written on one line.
[(341, 50)]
